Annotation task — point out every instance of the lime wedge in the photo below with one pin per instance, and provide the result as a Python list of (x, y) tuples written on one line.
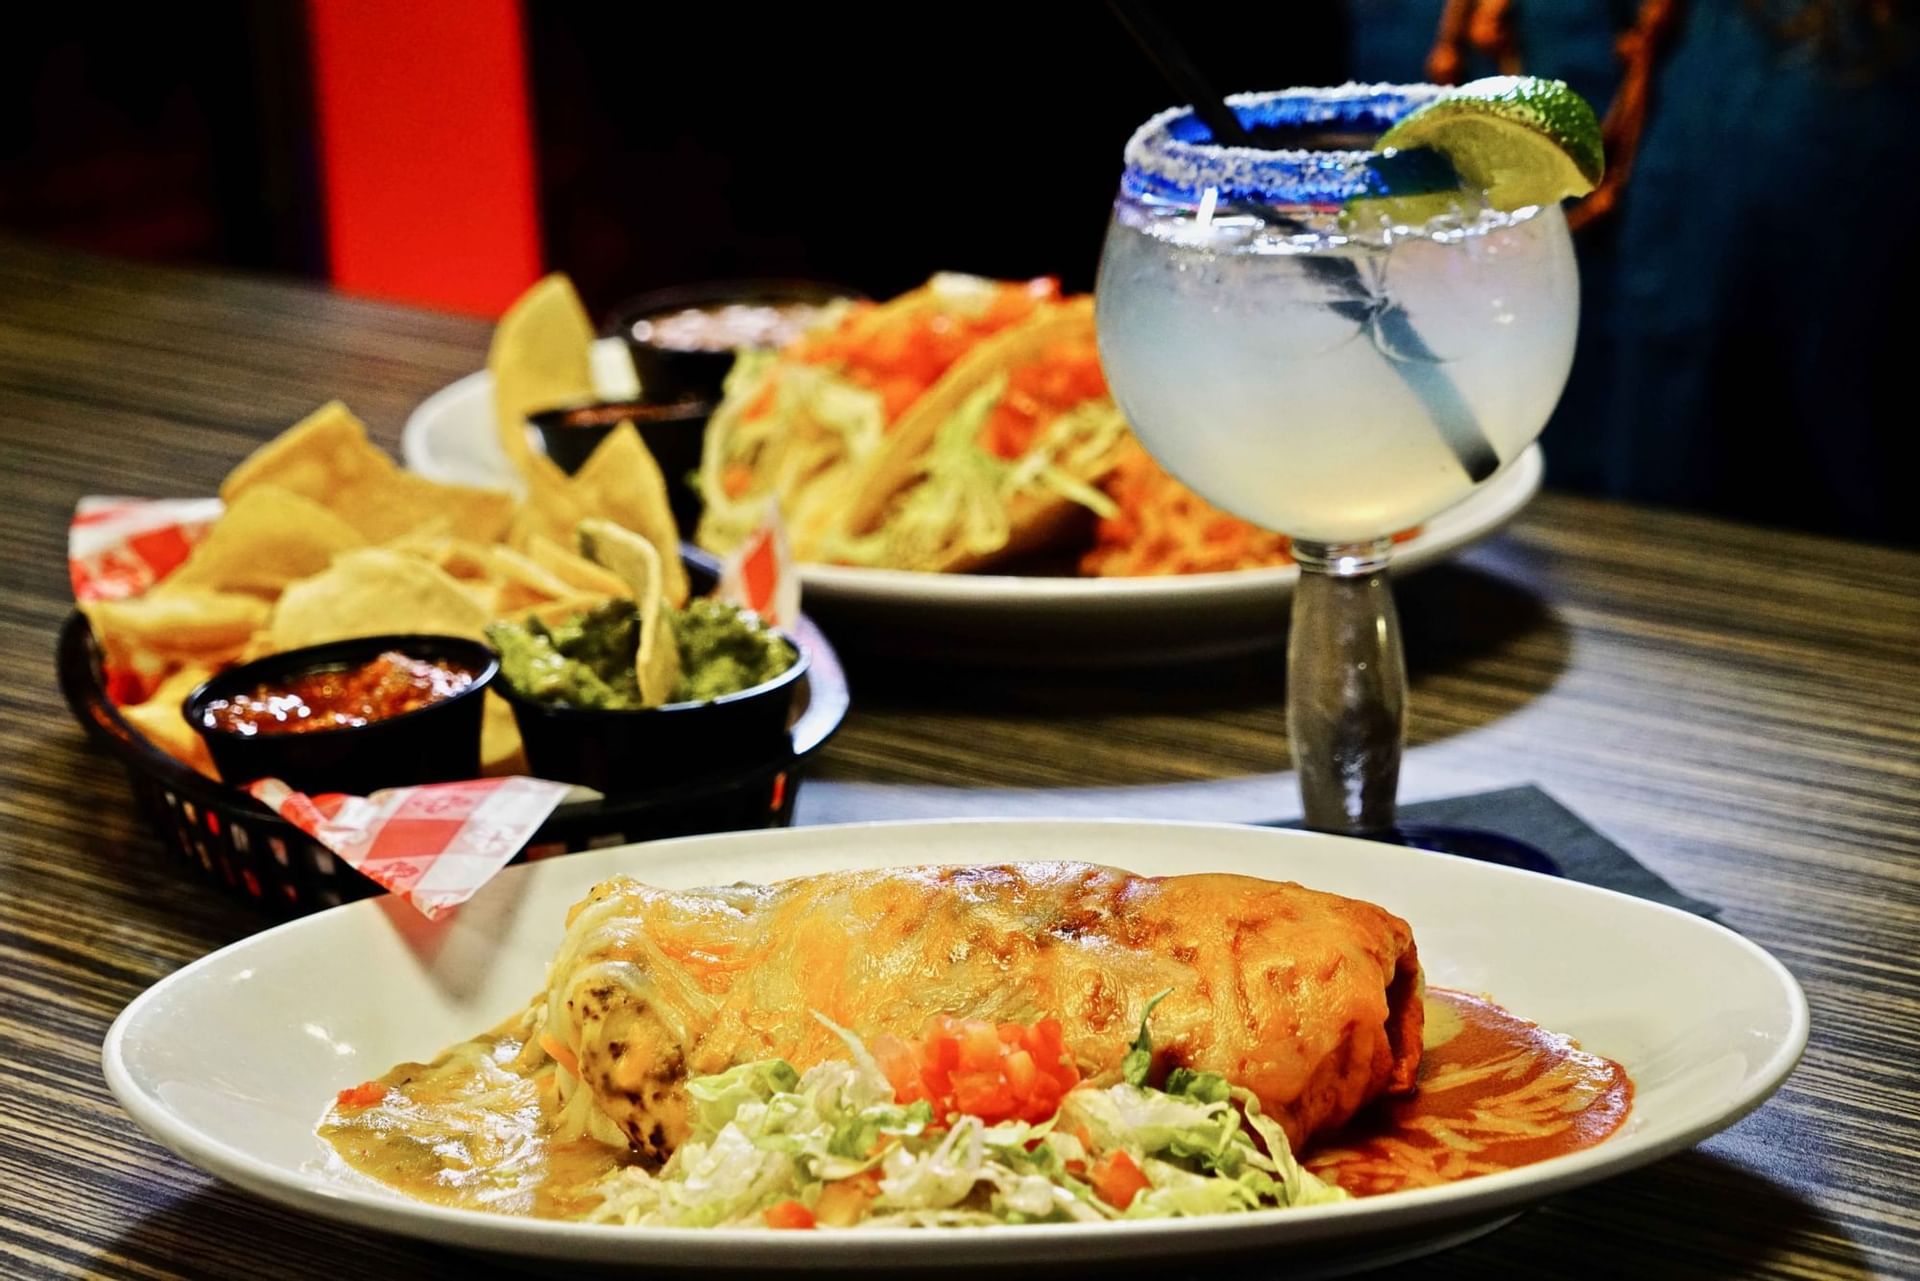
[(1520, 139)]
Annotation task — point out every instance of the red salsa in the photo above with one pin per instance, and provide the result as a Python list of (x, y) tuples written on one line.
[(335, 698)]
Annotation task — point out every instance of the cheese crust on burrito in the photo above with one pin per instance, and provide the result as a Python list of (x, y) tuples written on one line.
[(1310, 1000)]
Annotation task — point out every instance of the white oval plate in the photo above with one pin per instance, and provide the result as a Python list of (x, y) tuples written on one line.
[(999, 617), (231, 1061)]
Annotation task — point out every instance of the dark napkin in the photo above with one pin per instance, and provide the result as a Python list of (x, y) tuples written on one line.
[(1528, 814)]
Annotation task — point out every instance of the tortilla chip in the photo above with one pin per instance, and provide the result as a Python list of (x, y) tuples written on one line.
[(268, 538), (486, 595), (160, 719), (539, 360), (327, 458), (328, 447), (657, 666), (555, 612), (576, 571), (622, 482), (149, 636), (369, 593), (467, 561), (430, 530), (522, 582), (634, 559), (500, 750), (551, 514)]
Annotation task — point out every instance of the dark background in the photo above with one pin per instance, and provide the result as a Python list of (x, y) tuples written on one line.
[(1744, 331), (673, 143)]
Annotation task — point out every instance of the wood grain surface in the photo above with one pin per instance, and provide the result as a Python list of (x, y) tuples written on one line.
[(1738, 706)]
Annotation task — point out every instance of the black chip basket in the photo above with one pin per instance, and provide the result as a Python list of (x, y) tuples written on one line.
[(222, 834)]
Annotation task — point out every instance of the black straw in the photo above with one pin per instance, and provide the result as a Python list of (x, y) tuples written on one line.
[(1416, 364), (1180, 71)]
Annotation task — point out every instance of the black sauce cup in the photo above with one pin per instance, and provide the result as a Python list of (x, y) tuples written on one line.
[(674, 373), (615, 752), (438, 743), (672, 433)]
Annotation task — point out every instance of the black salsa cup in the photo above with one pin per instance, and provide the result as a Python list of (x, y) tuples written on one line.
[(617, 752), (673, 373), (438, 743), (672, 432)]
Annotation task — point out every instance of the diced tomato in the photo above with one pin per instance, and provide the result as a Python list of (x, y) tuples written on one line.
[(1117, 1179), (737, 479), (898, 394), (897, 1059), (1009, 431), (1048, 1041), (1021, 1073), (364, 1095), (1066, 374), (996, 1072), (979, 1045), (763, 402), (788, 1214), (903, 357)]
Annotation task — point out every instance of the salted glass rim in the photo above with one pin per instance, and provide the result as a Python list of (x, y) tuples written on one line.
[(1172, 156)]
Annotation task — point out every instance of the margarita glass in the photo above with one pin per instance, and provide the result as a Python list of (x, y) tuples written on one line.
[(1308, 346)]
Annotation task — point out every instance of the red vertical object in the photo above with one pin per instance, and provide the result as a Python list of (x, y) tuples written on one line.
[(426, 150)]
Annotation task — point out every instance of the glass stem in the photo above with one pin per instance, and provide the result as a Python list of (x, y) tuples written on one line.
[(1346, 687)]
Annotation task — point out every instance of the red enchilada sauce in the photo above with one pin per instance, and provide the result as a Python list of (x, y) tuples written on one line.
[(335, 698), (1496, 1092)]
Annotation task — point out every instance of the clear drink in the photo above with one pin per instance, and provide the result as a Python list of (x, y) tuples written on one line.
[(1337, 344), (1223, 345)]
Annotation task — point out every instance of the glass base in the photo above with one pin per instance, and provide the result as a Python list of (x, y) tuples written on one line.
[(1474, 843)]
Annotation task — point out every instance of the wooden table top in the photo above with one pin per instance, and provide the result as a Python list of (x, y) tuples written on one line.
[(1738, 706)]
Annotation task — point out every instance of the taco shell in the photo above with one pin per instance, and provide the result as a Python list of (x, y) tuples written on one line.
[(1001, 509)]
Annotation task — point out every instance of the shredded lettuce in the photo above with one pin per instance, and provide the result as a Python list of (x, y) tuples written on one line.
[(818, 421), (764, 1133)]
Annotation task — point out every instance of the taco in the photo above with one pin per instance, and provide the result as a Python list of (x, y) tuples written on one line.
[(795, 425), (1003, 456)]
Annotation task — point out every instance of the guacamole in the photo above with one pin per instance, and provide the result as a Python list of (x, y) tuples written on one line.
[(723, 650), (587, 661)]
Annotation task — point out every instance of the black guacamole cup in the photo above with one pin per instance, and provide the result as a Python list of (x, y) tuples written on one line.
[(627, 751), (437, 743)]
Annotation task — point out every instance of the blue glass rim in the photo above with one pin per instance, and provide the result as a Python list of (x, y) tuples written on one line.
[(1173, 157)]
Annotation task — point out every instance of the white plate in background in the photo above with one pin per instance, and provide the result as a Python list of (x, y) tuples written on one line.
[(998, 618)]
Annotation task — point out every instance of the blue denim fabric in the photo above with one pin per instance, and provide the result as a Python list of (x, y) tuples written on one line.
[(1744, 342)]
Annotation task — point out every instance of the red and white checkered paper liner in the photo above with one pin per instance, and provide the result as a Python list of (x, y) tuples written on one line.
[(760, 576), (435, 845), (119, 547)]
